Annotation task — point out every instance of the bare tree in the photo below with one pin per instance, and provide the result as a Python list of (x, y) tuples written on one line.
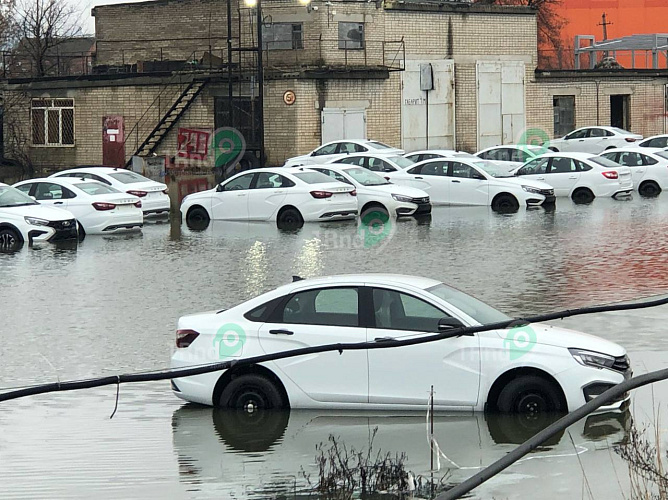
[(553, 53), (43, 25), (16, 161)]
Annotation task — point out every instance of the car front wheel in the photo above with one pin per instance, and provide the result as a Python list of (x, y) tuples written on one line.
[(9, 240), (531, 395), (251, 393)]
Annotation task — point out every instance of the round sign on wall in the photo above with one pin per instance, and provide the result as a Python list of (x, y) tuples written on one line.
[(289, 97)]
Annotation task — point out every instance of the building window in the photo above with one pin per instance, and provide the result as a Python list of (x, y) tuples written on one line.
[(564, 114), (282, 36), (52, 122), (351, 35)]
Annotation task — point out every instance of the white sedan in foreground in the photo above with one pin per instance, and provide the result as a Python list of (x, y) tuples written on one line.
[(374, 191), (530, 368), (339, 149), (473, 182), (289, 196), (154, 197), (23, 220), (99, 209), (649, 168), (581, 176)]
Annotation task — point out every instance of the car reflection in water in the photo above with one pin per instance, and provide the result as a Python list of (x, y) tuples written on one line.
[(254, 455)]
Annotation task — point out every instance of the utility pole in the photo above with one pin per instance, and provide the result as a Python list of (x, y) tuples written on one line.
[(604, 22)]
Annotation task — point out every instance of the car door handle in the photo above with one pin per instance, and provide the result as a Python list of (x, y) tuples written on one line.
[(540, 178), (418, 177), (282, 331), (573, 177), (456, 181), (58, 203), (242, 194), (384, 339), (581, 140)]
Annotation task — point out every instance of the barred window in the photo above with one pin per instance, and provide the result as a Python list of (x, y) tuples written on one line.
[(282, 36), (351, 35), (52, 122)]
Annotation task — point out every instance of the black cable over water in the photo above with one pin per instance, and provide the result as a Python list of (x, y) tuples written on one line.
[(383, 344)]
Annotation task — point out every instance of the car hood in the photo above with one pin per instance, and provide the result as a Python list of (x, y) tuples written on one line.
[(542, 333), (38, 211), (200, 194), (391, 189), (523, 181)]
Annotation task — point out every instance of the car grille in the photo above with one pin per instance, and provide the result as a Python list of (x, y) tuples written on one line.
[(420, 201), (63, 225)]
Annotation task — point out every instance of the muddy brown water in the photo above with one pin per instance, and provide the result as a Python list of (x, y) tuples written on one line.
[(111, 306)]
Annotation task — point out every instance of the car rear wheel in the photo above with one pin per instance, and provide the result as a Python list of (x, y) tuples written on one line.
[(649, 189), (9, 240), (505, 203), (289, 218), (582, 196), (530, 395), (251, 393)]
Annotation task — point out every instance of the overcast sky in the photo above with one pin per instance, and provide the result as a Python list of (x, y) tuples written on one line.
[(85, 6)]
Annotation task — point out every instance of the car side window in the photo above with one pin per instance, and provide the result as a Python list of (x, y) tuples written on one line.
[(629, 159), (657, 142), (328, 149), (428, 156), (400, 311), (415, 170), (648, 160), (581, 166), (578, 134), (350, 147), (378, 165), (561, 165), (611, 156), (25, 188), (438, 168), (325, 306), (597, 132), (269, 180), (537, 166), (50, 191), (334, 175), (240, 183), (415, 158), (520, 156), (464, 171)]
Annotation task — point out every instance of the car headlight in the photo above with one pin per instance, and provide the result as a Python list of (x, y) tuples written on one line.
[(591, 358), (34, 221), (404, 199), (530, 189)]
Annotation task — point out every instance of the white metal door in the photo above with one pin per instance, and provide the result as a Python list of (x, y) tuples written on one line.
[(340, 123), (428, 117), (501, 109)]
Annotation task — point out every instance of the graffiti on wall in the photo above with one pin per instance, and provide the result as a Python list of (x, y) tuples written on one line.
[(193, 144)]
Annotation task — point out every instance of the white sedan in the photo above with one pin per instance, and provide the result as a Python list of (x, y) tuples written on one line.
[(580, 176), (450, 181), (375, 162), (656, 141), (289, 196), (154, 197), (338, 149), (512, 154), (99, 208), (649, 168), (430, 154), (23, 220), (530, 368), (374, 191), (594, 140)]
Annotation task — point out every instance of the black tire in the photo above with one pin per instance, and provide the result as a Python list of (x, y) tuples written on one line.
[(250, 432), (251, 393), (10, 240), (505, 203), (82, 232), (649, 189), (530, 394), (289, 218), (197, 218), (582, 196)]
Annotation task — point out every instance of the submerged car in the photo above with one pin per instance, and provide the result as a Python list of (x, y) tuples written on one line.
[(649, 168), (531, 368), (461, 181), (593, 140), (23, 220), (339, 149)]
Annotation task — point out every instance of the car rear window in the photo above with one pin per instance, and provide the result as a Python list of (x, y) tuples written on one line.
[(96, 188), (128, 177), (604, 162), (662, 154), (313, 177), (380, 145)]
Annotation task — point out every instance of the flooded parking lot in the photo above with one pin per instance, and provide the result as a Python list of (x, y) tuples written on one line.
[(111, 306)]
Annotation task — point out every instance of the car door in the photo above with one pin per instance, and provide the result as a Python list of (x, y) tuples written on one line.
[(323, 154), (230, 201), (432, 178), (535, 169), (404, 375), (52, 194), (467, 185), (575, 141), (635, 163), (267, 195), (313, 317), (562, 174), (598, 140)]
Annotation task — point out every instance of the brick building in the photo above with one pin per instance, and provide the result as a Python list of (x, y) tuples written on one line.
[(163, 80)]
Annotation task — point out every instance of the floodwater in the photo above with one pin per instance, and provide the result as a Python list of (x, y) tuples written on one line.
[(111, 306)]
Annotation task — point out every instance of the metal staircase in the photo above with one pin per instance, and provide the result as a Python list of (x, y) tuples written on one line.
[(170, 118)]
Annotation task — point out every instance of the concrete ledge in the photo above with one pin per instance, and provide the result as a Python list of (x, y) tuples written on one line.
[(590, 74), (457, 7)]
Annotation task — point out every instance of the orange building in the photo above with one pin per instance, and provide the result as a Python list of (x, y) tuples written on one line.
[(625, 17)]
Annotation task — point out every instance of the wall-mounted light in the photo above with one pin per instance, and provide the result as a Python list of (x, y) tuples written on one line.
[(250, 3)]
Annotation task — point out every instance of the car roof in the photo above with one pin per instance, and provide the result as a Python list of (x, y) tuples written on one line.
[(530, 147), (66, 180), (94, 169), (660, 136), (438, 151), (383, 156), (375, 278), (576, 155)]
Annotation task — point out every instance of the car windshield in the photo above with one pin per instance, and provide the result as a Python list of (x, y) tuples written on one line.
[(604, 162), (128, 177), (365, 177), (475, 308), (380, 145), (492, 169), (401, 162), (662, 154), (96, 188), (12, 197), (313, 177)]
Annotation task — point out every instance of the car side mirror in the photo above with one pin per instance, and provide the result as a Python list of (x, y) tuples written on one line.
[(219, 188), (449, 323), (33, 198)]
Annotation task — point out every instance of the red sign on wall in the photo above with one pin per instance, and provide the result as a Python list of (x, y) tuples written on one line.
[(193, 143), (113, 141)]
